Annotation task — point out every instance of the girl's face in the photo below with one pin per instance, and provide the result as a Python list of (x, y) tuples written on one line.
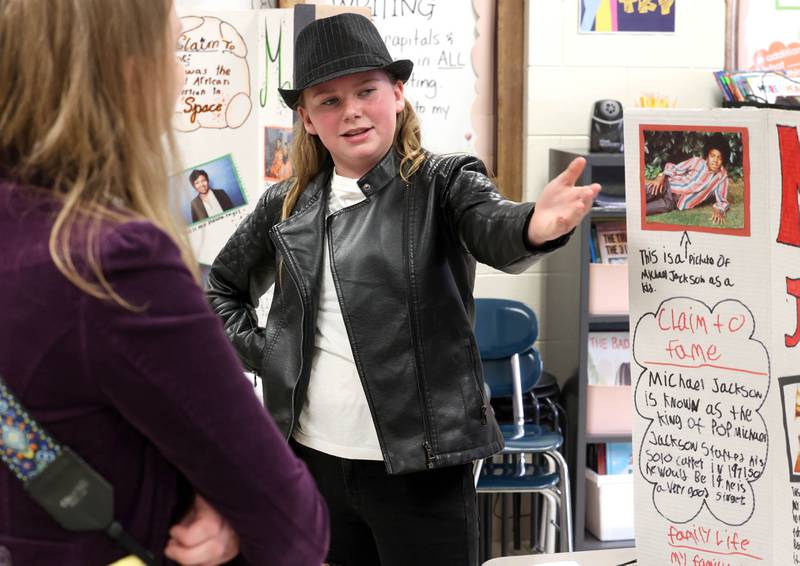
[(354, 117)]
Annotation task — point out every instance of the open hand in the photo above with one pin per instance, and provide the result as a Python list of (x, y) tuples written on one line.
[(717, 216), (202, 538), (562, 205)]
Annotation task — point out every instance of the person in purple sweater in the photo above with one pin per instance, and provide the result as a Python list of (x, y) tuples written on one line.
[(105, 334)]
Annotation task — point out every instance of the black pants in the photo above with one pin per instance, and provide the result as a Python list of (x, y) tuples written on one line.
[(377, 519), (663, 202)]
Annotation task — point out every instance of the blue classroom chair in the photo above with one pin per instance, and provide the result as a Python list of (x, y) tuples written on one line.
[(506, 331)]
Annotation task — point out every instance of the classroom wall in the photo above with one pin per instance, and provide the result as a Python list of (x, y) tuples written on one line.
[(566, 73)]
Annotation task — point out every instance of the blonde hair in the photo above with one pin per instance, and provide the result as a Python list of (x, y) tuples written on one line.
[(87, 91), (308, 155)]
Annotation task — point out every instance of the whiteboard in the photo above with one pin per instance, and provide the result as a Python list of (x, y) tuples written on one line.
[(450, 44)]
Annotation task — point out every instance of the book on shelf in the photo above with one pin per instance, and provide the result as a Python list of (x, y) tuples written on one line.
[(610, 458), (612, 242), (593, 245), (596, 458), (609, 357)]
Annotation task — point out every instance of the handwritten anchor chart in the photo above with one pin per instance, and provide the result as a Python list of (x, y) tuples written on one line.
[(704, 383), (216, 90), (714, 251)]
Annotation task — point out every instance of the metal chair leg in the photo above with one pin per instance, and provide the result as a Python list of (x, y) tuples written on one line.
[(537, 408), (566, 503), (548, 529), (544, 513)]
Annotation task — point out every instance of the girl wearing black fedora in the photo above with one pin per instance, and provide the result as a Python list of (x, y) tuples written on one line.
[(368, 357)]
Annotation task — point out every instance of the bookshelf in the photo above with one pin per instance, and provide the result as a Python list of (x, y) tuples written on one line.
[(607, 169)]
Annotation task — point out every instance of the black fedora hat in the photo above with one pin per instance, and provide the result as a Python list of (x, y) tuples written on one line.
[(340, 45)]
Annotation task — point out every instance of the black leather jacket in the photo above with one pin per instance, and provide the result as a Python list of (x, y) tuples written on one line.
[(403, 262)]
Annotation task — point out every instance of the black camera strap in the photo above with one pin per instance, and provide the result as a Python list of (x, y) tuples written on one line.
[(75, 495)]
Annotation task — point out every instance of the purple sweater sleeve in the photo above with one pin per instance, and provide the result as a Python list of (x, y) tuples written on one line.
[(171, 372)]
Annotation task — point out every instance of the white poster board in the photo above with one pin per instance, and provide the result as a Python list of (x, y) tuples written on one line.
[(767, 36), (713, 311), (229, 121)]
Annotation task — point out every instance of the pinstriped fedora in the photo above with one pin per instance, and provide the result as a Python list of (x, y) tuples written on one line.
[(340, 45)]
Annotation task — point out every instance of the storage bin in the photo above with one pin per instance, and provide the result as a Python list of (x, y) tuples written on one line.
[(608, 288), (609, 506), (609, 409)]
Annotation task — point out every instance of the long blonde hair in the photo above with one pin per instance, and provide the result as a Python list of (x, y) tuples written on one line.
[(308, 155), (87, 91)]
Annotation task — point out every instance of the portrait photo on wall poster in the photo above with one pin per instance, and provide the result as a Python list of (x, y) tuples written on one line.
[(790, 402), (276, 153), (695, 178), (208, 189)]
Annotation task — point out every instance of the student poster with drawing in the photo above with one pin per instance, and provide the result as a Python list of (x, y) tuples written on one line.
[(232, 130), (714, 288)]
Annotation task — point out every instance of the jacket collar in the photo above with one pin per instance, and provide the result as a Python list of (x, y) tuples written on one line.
[(373, 180), (381, 175), (320, 181)]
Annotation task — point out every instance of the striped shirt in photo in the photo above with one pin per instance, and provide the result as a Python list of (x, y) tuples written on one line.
[(692, 182)]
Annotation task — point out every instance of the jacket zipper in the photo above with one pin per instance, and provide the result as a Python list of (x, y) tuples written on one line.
[(475, 362), (328, 230), (430, 457), (304, 304)]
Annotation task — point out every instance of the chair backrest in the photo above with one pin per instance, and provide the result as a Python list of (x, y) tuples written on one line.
[(497, 373), (504, 327)]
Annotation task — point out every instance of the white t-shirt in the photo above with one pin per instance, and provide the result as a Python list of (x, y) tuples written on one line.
[(335, 418), (211, 204)]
